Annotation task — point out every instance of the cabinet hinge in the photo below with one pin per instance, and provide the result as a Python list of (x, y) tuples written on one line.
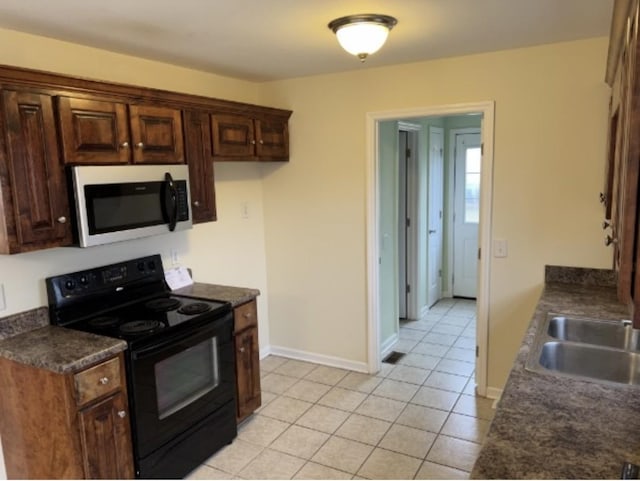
[(479, 252), (477, 351), (408, 222), (482, 148), (408, 153), (408, 288)]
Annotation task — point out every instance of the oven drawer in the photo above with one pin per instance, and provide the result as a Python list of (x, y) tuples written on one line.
[(97, 381), (245, 315)]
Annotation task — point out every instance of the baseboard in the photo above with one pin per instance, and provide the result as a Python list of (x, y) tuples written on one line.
[(445, 294), (265, 351), (424, 311), (494, 393), (387, 346), (318, 358)]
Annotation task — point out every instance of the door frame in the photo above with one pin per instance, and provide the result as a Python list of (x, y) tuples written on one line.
[(451, 197), (487, 109)]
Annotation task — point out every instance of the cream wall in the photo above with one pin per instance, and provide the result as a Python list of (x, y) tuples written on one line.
[(550, 129)]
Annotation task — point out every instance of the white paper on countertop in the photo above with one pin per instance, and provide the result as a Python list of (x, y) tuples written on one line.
[(178, 277)]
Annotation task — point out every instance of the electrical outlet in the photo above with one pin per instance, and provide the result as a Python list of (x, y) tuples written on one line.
[(3, 303), (173, 253)]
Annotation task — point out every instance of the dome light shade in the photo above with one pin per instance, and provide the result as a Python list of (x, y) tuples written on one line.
[(362, 35)]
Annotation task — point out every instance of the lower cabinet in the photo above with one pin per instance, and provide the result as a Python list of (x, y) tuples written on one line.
[(73, 425), (247, 359)]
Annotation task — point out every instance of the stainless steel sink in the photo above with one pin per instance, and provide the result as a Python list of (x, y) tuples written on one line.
[(619, 334), (591, 349), (592, 362)]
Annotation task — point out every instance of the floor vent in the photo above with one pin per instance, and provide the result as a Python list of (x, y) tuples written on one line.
[(393, 357)]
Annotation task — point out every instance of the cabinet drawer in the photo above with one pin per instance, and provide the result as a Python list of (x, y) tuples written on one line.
[(245, 316), (97, 381)]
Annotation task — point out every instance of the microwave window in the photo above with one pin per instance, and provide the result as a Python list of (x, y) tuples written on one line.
[(115, 207), (126, 211)]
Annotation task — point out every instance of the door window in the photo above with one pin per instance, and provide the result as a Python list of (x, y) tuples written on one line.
[(472, 185)]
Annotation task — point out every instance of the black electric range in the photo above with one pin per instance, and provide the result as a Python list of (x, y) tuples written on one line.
[(180, 359)]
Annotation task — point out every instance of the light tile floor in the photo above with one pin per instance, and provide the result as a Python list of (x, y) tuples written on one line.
[(417, 419)]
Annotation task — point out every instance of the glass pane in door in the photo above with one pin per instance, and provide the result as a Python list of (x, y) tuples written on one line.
[(472, 185)]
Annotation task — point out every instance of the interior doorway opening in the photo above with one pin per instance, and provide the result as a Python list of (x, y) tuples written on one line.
[(432, 223)]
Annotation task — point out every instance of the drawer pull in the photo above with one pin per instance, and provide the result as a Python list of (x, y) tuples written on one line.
[(104, 380), (242, 349), (247, 315), (122, 414)]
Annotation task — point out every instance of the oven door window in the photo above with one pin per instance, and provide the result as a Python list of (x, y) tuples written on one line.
[(187, 376)]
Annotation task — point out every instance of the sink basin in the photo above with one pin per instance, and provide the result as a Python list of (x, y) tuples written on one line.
[(589, 349), (619, 335), (593, 362)]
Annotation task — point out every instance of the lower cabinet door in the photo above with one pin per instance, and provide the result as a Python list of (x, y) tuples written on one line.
[(248, 372), (106, 439)]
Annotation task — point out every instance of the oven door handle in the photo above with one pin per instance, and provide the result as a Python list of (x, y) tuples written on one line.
[(202, 333), (170, 201)]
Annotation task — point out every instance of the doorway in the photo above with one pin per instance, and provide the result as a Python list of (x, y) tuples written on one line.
[(375, 240)]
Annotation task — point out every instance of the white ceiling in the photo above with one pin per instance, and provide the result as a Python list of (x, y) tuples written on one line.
[(274, 39)]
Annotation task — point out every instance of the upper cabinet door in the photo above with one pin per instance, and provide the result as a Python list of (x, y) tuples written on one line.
[(197, 135), (233, 136), (156, 134), (273, 139), (36, 175), (94, 131)]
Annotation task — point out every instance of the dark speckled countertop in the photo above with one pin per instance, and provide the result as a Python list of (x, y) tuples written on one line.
[(28, 338), (216, 292), (549, 426)]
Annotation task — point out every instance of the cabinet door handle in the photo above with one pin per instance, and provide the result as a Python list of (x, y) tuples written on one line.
[(124, 145), (140, 145), (62, 220), (196, 203), (253, 142), (122, 414), (608, 240), (247, 315), (242, 349), (104, 380), (261, 141)]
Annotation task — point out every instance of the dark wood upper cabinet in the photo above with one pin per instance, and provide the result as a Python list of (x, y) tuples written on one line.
[(197, 133), (238, 137), (49, 121), (156, 133), (35, 204), (104, 132), (273, 139)]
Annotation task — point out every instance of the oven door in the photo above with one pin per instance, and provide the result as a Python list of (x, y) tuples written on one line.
[(175, 383)]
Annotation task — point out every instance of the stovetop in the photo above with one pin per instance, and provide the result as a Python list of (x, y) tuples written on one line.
[(151, 316), (129, 300)]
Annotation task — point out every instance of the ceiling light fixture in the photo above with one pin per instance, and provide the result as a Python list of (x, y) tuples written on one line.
[(364, 34)]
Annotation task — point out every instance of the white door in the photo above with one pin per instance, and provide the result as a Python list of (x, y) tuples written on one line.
[(435, 221), (468, 160)]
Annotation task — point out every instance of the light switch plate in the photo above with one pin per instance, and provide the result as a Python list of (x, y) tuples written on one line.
[(499, 248)]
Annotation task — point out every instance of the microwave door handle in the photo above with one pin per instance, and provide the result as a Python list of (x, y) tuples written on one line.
[(171, 201)]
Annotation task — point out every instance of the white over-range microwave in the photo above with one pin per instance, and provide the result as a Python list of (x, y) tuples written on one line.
[(123, 202)]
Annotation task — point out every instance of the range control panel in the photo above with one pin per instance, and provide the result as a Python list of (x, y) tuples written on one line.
[(130, 276)]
